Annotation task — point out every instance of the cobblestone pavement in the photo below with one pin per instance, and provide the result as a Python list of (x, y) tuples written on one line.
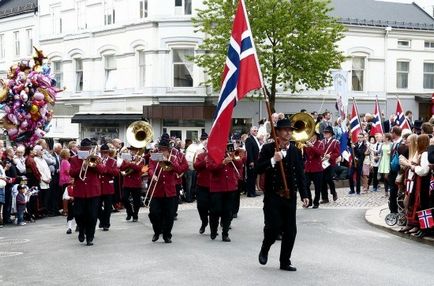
[(363, 201)]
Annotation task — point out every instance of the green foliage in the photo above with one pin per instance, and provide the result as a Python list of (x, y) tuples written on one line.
[(295, 40)]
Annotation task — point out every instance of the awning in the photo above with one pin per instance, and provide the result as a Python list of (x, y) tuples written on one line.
[(190, 111), (104, 118)]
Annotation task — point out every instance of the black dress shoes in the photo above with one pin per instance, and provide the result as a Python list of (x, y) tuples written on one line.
[(167, 239), (105, 229), (69, 231), (81, 237), (287, 267), (89, 243), (226, 238), (135, 219), (155, 237), (202, 229), (128, 217), (335, 197), (213, 235), (315, 206), (263, 256)]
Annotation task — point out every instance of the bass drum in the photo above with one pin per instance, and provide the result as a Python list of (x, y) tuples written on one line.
[(190, 154)]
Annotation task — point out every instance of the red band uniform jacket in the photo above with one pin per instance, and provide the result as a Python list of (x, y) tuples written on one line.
[(314, 156), (334, 148), (107, 178), (165, 187), (203, 175), (90, 187), (224, 178), (134, 179)]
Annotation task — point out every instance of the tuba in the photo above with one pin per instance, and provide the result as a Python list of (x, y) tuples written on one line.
[(304, 128)]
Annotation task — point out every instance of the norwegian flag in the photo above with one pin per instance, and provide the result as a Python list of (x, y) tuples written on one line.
[(400, 120), (355, 123), (377, 126), (426, 219), (241, 75)]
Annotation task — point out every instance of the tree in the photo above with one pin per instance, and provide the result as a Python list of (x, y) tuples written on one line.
[(295, 41)]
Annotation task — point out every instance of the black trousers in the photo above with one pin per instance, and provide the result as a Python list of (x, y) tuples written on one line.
[(162, 214), (7, 207), (373, 178), (134, 209), (54, 195), (86, 215), (221, 207), (355, 172), (316, 178), (251, 181), (327, 182), (70, 210), (279, 218), (393, 192), (203, 203), (105, 210)]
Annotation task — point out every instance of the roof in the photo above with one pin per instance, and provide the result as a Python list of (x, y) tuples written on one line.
[(382, 14), (9, 8)]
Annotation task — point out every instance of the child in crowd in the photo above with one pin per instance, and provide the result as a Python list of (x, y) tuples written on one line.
[(68, 196), (21, 201)]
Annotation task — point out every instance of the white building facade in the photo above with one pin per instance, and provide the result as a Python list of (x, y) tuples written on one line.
[(121, 60)]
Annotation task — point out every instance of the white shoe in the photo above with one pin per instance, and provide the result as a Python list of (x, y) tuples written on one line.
[(22, 223)]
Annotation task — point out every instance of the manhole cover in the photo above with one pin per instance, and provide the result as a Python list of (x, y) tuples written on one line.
[(13, 241), (9, 254)]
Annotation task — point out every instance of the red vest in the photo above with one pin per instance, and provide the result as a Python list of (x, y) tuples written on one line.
[(202, 173), (313, 157), (107, 179), (90, 187), (224, 178)]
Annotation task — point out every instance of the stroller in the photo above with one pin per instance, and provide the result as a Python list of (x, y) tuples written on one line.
[(399, 217)]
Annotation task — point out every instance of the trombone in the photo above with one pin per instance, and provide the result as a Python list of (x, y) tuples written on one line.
[(91, 161)]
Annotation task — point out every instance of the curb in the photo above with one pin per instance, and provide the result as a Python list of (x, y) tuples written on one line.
[(375, 218)]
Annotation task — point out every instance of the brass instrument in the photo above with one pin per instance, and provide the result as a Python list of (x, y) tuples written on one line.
[(139, 134), (90, 162), (304, 128)]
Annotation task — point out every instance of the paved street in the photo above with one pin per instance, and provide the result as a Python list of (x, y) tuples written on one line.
[(335, 246)]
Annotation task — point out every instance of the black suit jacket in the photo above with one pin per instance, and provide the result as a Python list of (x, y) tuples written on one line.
[(252, 150), (294, 171), (359, 153)]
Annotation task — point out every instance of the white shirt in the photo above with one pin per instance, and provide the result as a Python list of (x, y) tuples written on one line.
[(43, 168)]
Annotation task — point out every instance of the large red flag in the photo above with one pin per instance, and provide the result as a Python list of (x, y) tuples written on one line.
[(400, 120), (377, 126), (355, 123), (241, 75)]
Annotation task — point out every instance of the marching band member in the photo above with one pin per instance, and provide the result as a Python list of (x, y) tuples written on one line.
[(107, 187), (279, 209), (223, 186), (163, 199), (183, 167), (313, 170), (202, 184), (132, 183), (87, 192), (331, 153)]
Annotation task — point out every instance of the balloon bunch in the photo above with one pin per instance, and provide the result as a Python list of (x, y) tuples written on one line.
[(27, 98)]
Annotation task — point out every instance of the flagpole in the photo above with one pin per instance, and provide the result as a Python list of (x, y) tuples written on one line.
[(267, 103)]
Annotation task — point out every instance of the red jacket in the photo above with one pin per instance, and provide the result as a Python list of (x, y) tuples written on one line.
[(167, 181), (91, 186), (333, 148), (314, 155), (183, 166), (202, 173), (224, 178), (134, 179), (107, 178)]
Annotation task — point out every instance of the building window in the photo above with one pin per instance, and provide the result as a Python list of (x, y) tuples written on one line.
[(143, 8), (109, 13), (142, 69), (428, 75), (183, 7), (78, 75), (81, 15), (402, 70), (57, 20), (406, 44), (58, 73), (17, 43), (358, 73), (182, 68), (110, 72), (29, 42), (2, 47), (429, 44)]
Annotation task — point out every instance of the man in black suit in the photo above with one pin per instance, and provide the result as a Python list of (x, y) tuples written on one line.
[(358, 151), (280, 206), (252, 149)]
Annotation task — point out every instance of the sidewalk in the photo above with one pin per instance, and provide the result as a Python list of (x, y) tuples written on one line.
[(375, 217)]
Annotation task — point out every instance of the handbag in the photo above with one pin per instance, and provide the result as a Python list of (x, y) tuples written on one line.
[(394, 163)]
